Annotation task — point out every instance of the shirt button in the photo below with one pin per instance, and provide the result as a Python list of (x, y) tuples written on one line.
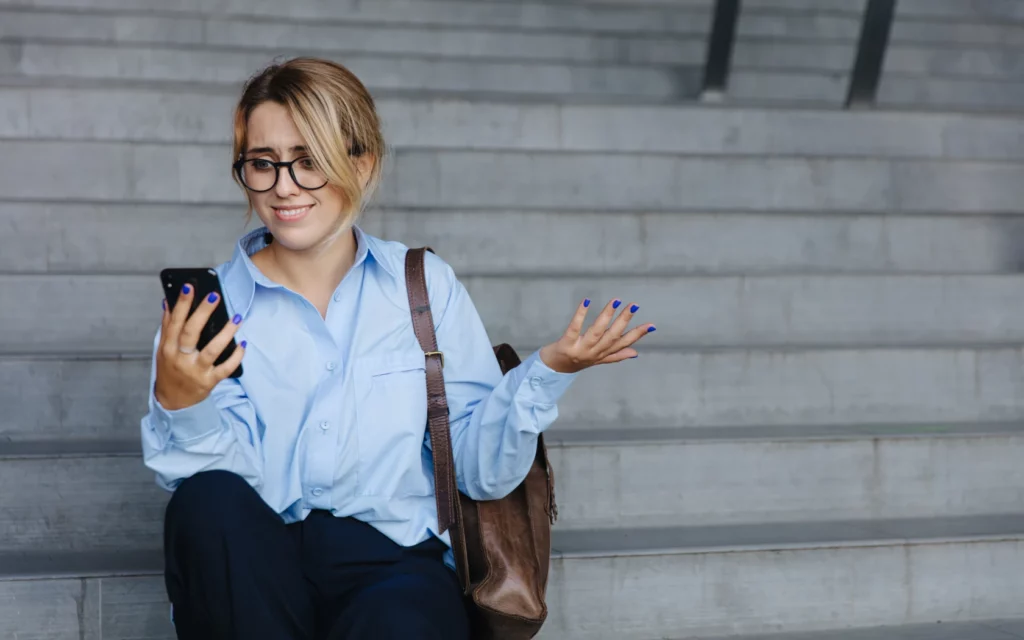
[(325, 425), (331, 365), (535, 382), (337, 297), (318, 492)]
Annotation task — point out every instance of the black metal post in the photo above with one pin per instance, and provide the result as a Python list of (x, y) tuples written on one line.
[(874, 40), (723, 32)]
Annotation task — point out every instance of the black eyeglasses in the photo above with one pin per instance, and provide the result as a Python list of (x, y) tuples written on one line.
[(260, 174)]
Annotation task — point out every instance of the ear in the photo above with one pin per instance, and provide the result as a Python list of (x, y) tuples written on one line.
[(364, 166)]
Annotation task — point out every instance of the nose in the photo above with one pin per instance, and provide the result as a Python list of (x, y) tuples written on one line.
[(285, 185)]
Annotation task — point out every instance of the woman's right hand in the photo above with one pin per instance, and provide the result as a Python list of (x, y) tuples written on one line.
[(185, 376)]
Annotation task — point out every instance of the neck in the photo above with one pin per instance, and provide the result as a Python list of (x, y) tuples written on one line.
[(317, 269)]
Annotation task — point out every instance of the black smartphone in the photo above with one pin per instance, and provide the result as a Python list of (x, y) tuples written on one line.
[(205, 282)]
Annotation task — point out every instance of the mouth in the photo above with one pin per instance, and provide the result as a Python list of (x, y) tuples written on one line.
[(292, 213)]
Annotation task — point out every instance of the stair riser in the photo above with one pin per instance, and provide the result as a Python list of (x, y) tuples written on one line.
[(706, 594), (720, 594), (199, 174), (105, 29), (411, 73), (175, 116), (113, 504), (47, 399), (727, 482), (39, 238), (114, 313), (529, 16), (75, 504)]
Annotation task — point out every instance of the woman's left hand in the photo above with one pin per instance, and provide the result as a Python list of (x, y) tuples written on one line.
[(604, 342)]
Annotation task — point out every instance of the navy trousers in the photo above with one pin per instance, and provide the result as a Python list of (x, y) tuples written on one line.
[(235, 571)]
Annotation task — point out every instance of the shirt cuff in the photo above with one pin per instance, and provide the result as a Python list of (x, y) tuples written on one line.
[(190, 423), (546, 386)]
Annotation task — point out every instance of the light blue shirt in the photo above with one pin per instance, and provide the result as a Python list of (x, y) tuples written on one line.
[(332, 413)]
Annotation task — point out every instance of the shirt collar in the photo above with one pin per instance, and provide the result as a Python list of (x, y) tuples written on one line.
[(240, 276)]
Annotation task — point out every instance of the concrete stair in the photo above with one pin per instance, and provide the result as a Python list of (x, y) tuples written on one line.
[(820, 441), (949, 54)]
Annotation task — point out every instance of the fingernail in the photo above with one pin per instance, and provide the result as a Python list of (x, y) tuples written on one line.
[(237, 318), (651, 330), (615, 305), (186, 289), (586, 303), (244, 342), (163, 303), (212, 297), (634, 357), (634, 308)]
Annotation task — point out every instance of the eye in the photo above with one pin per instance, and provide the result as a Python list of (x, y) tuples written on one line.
[(307, 163), (261, 164)]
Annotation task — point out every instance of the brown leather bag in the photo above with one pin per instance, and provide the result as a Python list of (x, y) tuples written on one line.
[(502, 547)]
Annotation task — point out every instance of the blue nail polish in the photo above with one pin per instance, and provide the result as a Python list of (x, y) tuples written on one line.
[(615, 305), (212, 297), (237, 318), (651, 330), (163, 303), (634, 357), (634, 308), (586, 303), (186, 289), (244, 342)]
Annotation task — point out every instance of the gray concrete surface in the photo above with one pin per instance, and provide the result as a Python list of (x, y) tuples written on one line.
[(120, 312), (154, 115), (49, 398), (35, 170)]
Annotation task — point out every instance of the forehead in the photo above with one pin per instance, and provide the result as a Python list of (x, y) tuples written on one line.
[(270, 125)]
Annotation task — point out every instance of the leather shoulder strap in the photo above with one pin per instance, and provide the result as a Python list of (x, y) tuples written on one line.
[(445, 486)]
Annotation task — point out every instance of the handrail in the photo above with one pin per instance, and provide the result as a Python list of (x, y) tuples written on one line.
[(871, 48), (720, 44)]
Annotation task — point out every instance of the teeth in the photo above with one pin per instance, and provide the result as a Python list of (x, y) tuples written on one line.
[(292, 213)]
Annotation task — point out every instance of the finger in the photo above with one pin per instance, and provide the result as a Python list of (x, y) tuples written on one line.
[(576, 325), (165, 319), (226, 368), (618, 356), (194, 327), (632, 337), (179, 316), (617, 329), (219, 343), (600, 326)]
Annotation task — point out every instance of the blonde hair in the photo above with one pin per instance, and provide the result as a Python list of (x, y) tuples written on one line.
[(334, 113)]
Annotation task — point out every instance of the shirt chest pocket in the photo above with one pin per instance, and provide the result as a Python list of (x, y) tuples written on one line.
[(391, 419)]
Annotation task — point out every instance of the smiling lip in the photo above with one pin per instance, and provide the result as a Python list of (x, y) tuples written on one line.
[(292, 213)]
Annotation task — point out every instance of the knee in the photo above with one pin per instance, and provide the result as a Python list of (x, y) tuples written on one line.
[(210, 498)]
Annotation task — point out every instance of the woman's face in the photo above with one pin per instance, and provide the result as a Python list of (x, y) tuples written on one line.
[(300, 219)]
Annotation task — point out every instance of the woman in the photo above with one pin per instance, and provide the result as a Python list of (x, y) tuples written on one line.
[(303, 501)]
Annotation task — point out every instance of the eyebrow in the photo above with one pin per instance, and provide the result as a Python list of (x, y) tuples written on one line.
[(297, 148)]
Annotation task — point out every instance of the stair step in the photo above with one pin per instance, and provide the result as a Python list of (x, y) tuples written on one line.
[(96, 496), (376, 71), (97, 397), (74, 501), (125, 238), (633, 477), (210, 34), (107, 313), (950, 93), (152, 115), (732, 580), (981, 630), (515, 179), (690, 20), (650, 583)]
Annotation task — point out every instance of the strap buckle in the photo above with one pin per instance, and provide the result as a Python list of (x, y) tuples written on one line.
[(427, 354)]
